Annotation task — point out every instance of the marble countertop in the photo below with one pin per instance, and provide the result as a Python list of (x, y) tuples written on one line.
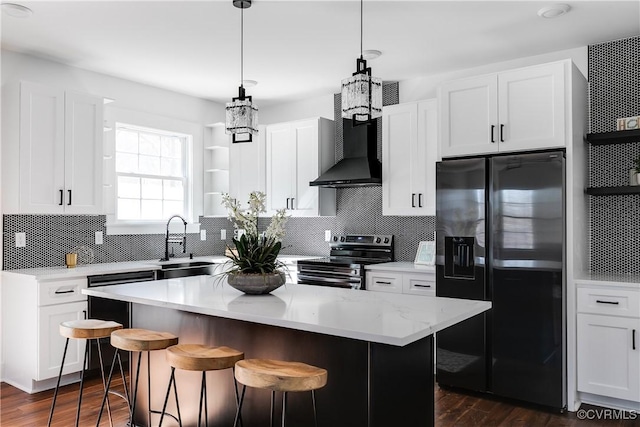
[(403, 267), (61, 272), (394, 319)]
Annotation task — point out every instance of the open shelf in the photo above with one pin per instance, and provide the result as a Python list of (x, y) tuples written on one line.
[(613, 191), (615, 137)]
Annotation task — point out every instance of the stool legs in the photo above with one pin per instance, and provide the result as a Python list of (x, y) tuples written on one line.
[(105, 397), (55, 393), (272, 415), (172, 380), (104, 383), (84, 364)]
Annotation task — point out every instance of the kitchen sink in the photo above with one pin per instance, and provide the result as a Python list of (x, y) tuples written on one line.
[(186, 268)]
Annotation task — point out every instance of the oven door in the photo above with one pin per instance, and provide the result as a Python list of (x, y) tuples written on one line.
[(337, 276)]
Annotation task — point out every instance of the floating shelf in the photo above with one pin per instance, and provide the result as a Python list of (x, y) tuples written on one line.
[(616, 137), (217, 170), (216, 147), (613, 191)]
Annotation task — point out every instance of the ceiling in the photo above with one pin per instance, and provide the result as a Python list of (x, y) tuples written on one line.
[(298, 49)]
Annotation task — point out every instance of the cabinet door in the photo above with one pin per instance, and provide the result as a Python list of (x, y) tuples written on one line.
[(469, 119), (281, 170), (532, 108), (608, 365), (83, 153), (426, 156), (307, 165), (246, 169), (41, 149), (51, 343), (399, 146)]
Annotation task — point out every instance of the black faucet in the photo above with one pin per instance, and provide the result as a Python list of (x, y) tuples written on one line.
[(182, 241)]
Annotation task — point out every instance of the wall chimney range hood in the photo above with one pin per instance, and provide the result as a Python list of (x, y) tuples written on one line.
[(360, 166)]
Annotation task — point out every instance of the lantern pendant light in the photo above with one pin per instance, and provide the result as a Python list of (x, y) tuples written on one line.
[(361, 93), (241, 112)]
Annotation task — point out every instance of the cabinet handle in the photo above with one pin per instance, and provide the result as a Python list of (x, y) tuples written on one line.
[(419, 200), (413, 200), (84, 312), (382, 283), (633, 339), (69, 198), (288, 202), (68, 291), (292, 199), (493, 127), (607, 302), (422, 286), (501, 133), (61, 197)]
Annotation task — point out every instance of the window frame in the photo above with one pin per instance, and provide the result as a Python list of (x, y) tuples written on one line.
[(142, 226)]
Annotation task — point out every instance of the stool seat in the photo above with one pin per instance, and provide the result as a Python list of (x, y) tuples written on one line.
[(197, 357), (280, 375), (88, 328), (142, 339)]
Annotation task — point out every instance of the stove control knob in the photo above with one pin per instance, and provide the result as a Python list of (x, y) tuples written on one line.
[(335, 238), (342, 238), (386, 240), (377, 240)]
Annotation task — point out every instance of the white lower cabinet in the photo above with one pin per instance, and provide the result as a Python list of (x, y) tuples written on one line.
[(32, 346), (608, 343), (401, 278), (51, 343)]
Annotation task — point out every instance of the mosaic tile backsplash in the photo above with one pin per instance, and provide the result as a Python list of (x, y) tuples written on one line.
[(614, 92), (359, 210)]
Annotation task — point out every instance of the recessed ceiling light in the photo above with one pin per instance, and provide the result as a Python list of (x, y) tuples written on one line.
[(554, 11), (16, 10), (370, 54), (249, 83)]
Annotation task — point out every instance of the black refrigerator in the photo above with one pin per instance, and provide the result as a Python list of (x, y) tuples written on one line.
[(500, 223)]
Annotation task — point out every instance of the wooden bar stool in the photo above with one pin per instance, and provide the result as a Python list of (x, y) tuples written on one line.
[(85, 329), (137, 340), (196, 357), (278, 375)]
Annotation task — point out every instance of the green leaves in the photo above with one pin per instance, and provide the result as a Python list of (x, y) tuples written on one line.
[(255, 255)]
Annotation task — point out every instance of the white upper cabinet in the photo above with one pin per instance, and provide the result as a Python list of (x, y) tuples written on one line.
[(523, 109), (297, 153), (60, 151), (409, 156), (246, 168)]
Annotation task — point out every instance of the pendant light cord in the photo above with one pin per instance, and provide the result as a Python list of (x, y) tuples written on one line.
[(361, 3), (241, 47)]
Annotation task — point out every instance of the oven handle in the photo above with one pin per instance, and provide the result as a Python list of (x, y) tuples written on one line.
[(335, 272), (327, 279)]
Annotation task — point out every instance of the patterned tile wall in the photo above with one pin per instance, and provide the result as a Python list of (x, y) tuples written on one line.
[(359, 210), (614, 92)]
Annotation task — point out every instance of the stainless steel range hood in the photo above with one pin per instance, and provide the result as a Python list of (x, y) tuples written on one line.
[(360, 166)]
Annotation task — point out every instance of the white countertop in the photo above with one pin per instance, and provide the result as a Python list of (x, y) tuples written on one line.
[(403, 267), (61, 272), (608, 279), (394, 319)]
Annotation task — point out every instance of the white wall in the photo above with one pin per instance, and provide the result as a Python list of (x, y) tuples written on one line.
[(163, 105), (414, 89)]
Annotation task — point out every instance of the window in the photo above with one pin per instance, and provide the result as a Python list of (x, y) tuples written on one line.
[(152, 174)]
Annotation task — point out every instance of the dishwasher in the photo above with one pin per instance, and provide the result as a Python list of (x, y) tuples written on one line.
[(108, 309)]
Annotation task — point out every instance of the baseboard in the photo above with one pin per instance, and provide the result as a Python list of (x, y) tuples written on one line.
[(48, 384), (609, 402)]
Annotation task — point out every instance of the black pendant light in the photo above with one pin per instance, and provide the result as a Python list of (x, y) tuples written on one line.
[(241, 112)]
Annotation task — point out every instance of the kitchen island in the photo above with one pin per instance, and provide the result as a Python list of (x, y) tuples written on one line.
[(378, 348)]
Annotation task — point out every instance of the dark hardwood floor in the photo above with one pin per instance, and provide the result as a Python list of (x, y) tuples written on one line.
[(19, 409)]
